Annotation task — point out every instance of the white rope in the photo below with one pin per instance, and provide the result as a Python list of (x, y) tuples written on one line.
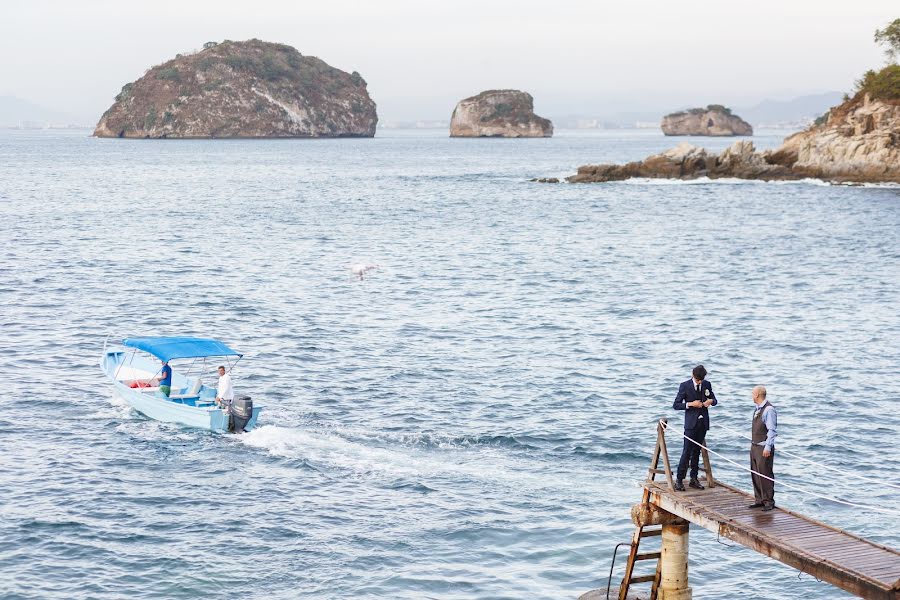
[(887, 511), (807, 460)]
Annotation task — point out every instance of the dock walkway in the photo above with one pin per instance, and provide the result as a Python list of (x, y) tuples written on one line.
[(842, 559)]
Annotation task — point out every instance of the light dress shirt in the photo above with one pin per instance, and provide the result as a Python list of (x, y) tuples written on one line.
[(698, 387), (770, 418), (225, 391)]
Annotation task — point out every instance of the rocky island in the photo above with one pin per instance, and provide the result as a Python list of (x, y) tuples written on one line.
[(498, 113), (714, 120), (250, 89)]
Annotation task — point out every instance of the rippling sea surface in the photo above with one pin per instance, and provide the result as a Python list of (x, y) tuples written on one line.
[(473, 419)]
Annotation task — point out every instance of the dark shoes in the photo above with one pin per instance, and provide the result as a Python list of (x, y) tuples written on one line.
[(756, 505), (679, 485), (768, 507)]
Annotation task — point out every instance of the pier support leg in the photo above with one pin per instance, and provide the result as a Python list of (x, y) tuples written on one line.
[(674, 569)]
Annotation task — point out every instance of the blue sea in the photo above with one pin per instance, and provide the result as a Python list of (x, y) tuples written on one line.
[(471, 420)]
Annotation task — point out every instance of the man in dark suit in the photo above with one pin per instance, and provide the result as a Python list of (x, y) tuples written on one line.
[(695, 396)]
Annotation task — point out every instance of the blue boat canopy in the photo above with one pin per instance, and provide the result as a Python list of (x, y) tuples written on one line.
[(169, 348)]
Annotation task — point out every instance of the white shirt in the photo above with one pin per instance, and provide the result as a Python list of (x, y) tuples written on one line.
[(225, 391)]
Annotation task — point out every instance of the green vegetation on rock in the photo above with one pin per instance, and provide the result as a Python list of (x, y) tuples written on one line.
[(170, 74), (822, 119), (889, 37), (881, 85)]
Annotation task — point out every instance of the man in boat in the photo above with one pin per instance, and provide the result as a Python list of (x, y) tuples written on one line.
[(165, 380), (764, 430), (695, 396), (224, 391)]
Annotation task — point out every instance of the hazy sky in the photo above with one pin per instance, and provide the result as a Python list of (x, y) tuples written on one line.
[(421, 56)]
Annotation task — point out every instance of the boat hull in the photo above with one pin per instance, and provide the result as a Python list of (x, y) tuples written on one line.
[(148, 403)]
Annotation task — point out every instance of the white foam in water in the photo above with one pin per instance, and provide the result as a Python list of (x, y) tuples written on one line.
[(721, 181), (121, 409), (333, 451), (737, 181)]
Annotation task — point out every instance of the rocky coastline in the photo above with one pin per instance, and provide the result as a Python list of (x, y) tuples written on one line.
[(858, 142)]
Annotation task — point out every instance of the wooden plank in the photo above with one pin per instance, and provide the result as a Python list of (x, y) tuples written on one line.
[(650, 532), (654, 461), (648, 555), (661, 437), (879, 569), (629, 566), (826, 542), (707, 466), (643, 578), (799, 534), (882, 572), (886, 574)]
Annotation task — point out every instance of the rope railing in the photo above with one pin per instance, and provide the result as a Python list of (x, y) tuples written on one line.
[(878, 509), (781, 450)]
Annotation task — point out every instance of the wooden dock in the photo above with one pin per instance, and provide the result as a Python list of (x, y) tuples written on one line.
[(847, 561)]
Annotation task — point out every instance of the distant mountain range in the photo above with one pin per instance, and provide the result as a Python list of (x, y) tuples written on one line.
[(798, 110), (793, 113), (16, 112)]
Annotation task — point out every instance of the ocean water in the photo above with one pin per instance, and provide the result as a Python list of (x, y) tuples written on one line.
[(470, 421)]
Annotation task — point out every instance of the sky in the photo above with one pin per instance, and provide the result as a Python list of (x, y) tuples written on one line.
[(588, 57)]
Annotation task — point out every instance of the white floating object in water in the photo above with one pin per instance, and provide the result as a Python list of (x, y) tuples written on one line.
[(360, 269)]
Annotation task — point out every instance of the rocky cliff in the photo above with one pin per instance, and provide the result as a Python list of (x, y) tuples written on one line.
[(714, 120), (498, 113), (858, 142), (249, 89)]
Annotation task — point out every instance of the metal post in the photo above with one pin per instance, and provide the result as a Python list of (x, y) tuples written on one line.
[(674, 580)]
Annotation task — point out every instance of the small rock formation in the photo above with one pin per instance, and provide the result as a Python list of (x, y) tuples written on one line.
[(250, 89), (546, 180), (687, 161), (714, 120), (498, 113), (859, 142)]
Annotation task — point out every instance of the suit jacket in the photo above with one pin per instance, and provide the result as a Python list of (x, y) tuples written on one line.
[(688, 393)]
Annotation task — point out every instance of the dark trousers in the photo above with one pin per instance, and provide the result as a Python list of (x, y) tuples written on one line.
[(763, 489), (690, 452)]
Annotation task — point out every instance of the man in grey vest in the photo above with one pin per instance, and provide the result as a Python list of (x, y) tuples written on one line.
[(762, 451)]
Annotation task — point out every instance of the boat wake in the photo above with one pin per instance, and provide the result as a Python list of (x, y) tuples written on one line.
[(330, 451)]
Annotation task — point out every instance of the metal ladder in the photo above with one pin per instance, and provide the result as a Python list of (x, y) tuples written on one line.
[(635, 555)]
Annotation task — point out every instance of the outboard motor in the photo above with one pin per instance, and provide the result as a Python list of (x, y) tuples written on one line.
[(239, 412)]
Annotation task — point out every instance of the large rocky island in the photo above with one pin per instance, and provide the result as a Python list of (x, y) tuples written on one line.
[(498, 113), (714, 120), (857, 141), (250, 89)]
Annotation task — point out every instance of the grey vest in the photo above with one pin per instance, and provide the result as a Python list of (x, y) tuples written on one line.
[(759, 431)]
